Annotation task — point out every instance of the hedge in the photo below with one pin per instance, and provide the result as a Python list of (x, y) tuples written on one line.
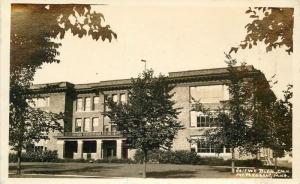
[(39, 156), (173, 157), (187, 157)]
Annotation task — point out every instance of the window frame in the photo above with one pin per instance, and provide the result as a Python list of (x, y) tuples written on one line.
[(76, 125), (80, 99), (87, 104)]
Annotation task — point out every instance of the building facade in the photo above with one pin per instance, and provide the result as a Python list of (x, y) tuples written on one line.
[(88, 134)]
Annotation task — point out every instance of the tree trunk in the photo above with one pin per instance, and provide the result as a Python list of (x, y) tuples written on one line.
[(275, 164), (19, 162), (144, 164), (232, 161)]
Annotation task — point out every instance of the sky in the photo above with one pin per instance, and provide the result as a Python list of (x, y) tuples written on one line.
[(170, 38)]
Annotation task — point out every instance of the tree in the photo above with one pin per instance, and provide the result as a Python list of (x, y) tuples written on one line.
[(234, 117), (148, 120), (28, 126), (280, 125), (33, 30), (273, 26)]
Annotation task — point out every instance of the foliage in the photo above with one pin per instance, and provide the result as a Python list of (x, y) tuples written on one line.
[(171, 157), (33, 30), (31, 125), (39, 156), (273, 26), (280, 126), (128, 161), (187, 157), (34, 26), (148, 120), (234, 116)]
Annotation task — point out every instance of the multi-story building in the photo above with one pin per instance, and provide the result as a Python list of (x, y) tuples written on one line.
[(89, 134)]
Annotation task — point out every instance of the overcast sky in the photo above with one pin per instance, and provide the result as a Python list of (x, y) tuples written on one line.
[(170, 38)]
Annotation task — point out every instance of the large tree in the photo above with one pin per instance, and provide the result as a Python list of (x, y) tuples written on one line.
[(279, 134), (270, 25), (234, 116), (149, 119), (35, 31)]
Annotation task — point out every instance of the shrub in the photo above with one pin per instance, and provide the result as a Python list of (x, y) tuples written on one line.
[(215, 161), (249, 163), (172, 157), (129, 161), (39, 156), (187, 157)]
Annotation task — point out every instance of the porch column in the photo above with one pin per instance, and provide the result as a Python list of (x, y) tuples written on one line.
[(79, 149), (119, 148), (60, 148), (99, 149)]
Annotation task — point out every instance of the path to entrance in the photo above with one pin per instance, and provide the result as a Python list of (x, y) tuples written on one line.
[(106, 170)]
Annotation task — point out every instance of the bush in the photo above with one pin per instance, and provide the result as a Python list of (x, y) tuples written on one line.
[(129, 161), (187, 157), (214, 161), (39, 156), (172, 157), (249, 163)]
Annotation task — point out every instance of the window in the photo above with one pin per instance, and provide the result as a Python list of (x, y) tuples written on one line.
[(105, 103), (78, 124), (86, 124), (38, 148), (210, 94), (95, 124), (204, 147), (198, 119), (123, 98), (106, 128), (115, 98), (113, 128), (95, 103), (87, 104), (79, 104), (39, 102)]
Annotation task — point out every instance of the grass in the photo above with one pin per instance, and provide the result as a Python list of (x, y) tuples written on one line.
[(106, 170), (113, 170)]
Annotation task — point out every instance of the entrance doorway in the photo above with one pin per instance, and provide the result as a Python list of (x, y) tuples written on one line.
[(70, 148), (109, 150)]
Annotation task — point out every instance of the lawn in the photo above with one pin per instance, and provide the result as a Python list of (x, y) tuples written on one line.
[(112, 170)]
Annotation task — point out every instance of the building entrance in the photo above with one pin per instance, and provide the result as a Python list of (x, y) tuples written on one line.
[(70, 148)]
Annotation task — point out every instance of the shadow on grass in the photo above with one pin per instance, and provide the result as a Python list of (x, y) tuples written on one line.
[(171, 174), (221, 170), (31, 166), (52, 170)]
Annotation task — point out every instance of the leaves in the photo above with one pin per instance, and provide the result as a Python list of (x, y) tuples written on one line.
[(149, 120), (243, 122), (34, 28), (274, 27)]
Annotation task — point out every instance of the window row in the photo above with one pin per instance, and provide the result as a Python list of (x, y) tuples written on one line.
[(86, 125), (205, 147), (210, 94), (86, 104), (199, 119), (39, 102), (121, 98), (117, 98)]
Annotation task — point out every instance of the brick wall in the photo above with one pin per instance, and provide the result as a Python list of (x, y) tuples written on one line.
[(57, 105), (181, 98)]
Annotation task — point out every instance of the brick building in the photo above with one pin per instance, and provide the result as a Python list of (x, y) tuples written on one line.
[(88, 134)]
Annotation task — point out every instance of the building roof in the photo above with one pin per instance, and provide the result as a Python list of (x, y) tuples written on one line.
[(174, 77)]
